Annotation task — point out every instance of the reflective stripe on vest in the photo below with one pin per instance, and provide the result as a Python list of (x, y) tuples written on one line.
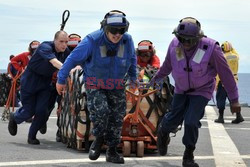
[(120, 53)]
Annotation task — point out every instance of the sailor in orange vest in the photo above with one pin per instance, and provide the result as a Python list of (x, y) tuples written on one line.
[(20, 61), (146, 55), (232, 58)]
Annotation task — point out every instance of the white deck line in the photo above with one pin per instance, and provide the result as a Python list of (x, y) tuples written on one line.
[(225, 152)]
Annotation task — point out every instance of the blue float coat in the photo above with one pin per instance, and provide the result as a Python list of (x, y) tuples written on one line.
[(91, 54)]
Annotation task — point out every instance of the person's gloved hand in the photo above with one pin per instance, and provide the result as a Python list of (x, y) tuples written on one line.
[(156, 84), (151, 83), (235, 107), (134, 84)]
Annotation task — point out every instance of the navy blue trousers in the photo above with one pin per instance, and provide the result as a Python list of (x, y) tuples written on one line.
[(187, 108), (34, 104), (221, 97)]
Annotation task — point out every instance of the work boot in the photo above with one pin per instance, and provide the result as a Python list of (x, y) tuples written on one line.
[(34, 141), (188, 158), (58, 136), (12, 126), (221, 117), (113, 156), (43, 129), (238, 119), (162, 142), (95, 148)]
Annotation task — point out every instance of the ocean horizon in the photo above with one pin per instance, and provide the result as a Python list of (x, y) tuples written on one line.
[(243, 86)]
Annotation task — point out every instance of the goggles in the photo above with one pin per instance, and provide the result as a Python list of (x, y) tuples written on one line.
[(116, 30), (187, 40), (145, 54), (34, 45)]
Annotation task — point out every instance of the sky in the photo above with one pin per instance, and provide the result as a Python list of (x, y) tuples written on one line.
[(22, 21)]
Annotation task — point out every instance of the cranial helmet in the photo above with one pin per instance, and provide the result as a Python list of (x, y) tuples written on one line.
[(115, 19), (188, 29), (226, 46), (145, 46), (74, 39), (33, 45)]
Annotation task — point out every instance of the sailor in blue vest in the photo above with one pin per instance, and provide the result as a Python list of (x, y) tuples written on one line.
[(105, 55), (35, 85)]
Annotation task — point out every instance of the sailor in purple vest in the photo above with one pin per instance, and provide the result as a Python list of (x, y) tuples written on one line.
[(194, 60)]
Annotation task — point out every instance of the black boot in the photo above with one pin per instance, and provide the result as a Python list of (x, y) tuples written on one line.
[(220, 118), (95, 148), (188, 158), (238, 119), (43, 129), (162, 142), (113, 156), (33, 141), (12, 126), (58, 136)]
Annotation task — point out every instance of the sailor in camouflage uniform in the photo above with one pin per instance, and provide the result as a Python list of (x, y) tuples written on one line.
[(106, 56)]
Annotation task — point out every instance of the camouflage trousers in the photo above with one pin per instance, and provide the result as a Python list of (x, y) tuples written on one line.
[(107, 109)]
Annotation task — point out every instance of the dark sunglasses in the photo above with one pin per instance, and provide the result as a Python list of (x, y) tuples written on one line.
[(145, 54), (115, 30), (187, 40)]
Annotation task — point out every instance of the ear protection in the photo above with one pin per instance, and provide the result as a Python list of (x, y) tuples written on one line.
[(188, 20), (226, 46), (104, 22)]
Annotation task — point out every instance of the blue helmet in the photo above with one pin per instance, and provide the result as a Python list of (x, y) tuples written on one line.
[(115, 19)]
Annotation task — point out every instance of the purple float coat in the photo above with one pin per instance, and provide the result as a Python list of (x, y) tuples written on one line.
[(194, 71)]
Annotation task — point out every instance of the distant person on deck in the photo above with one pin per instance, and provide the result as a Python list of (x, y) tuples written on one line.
[(232, 58), (10, 68), (20, 61), (146, 55)]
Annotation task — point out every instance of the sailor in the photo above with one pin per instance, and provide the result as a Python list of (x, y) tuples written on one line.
[(194, 61), (105, 55), (232, 58), (146, 55), (20, 62), (74, 40), (35, 85)]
